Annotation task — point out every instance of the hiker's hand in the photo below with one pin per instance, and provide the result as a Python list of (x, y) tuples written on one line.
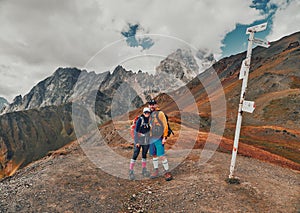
[(137, 145), (164, 140)]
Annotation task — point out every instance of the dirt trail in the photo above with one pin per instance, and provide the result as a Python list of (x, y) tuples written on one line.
[(67, 181)]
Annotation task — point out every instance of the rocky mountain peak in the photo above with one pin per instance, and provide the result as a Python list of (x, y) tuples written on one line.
[(181, 64), (120, 72), (18, 99), (3, 103), (119, 69), (186, 57), (66, 72)]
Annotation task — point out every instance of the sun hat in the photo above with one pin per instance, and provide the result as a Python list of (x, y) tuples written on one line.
[(146, 109)]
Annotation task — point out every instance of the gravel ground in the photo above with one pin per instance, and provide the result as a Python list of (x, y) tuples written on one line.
[(67, 181)]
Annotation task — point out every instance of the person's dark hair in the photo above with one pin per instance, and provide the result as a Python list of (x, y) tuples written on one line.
[(152, 102)]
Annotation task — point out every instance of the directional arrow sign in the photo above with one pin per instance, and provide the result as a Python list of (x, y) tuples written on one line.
[(262, 43), (248, 106), (256, 28), (244, 69)]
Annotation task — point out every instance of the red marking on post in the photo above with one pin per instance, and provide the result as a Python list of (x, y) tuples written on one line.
[(234, 149)]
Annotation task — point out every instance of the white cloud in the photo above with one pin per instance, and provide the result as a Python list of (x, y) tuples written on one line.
[(286, 19), (201, 23), (39, 36)]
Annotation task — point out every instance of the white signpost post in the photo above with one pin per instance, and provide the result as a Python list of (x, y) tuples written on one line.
[(245, 106)]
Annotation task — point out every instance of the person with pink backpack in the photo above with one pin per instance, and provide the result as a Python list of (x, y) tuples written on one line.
[(141, 140)]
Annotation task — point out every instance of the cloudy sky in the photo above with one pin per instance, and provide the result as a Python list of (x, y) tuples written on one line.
[(38, 36)]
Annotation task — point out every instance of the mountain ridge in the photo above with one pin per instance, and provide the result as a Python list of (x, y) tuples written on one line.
[(68, 84)]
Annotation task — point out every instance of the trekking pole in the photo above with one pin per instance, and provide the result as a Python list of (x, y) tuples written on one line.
[(247, 106)]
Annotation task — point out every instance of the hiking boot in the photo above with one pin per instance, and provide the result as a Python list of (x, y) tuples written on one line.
[(131, 175), (154, 174), (145, 173), (168, 176)]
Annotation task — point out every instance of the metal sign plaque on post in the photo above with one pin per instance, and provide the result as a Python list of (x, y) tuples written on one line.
[(245, 106), (248, 106), (244, 69), (256, 28), (260, 42)]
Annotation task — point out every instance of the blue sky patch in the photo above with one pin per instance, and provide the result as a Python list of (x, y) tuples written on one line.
[(132, 41), (236, 40)]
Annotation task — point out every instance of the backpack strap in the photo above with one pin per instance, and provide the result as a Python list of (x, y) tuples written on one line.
[(142, 122), (170, 131), (157, 118), (136, 130)]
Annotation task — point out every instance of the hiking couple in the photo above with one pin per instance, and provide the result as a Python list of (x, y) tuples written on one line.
[(151, 132)]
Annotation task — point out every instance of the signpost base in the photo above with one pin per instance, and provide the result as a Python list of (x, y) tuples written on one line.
[(234, 180)]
